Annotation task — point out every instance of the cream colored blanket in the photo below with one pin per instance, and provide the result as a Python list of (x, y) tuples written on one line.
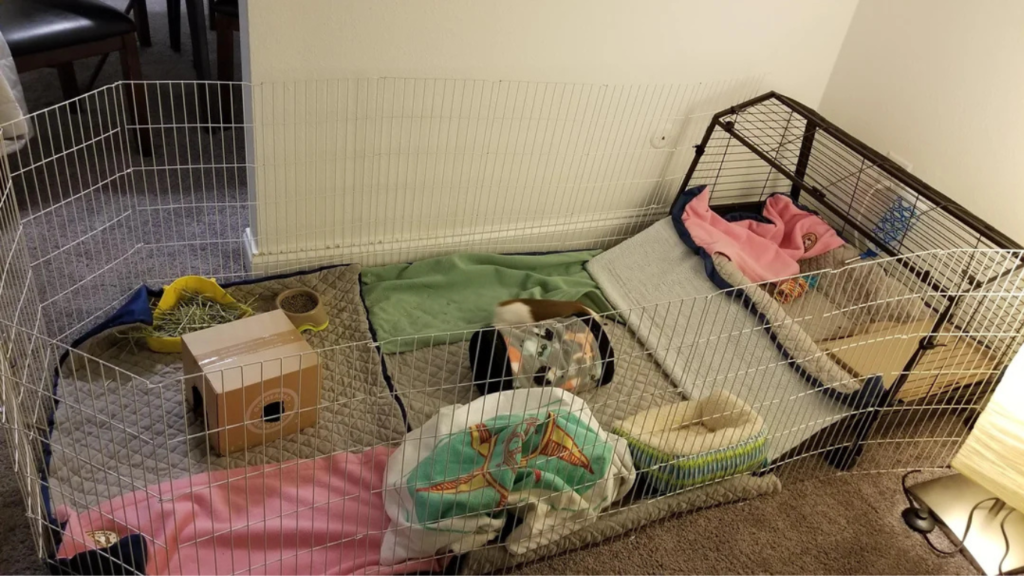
[(15, 129)]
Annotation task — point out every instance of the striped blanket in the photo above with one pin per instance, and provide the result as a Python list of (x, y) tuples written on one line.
[(689, 444)]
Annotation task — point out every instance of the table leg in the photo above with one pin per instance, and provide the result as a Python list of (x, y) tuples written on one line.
[(68, 80), (200, 45), (174, 23), (141, 13), (135, 93)]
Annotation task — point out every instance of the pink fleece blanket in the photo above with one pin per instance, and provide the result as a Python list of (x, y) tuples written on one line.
[(760, 250), (322, 516)]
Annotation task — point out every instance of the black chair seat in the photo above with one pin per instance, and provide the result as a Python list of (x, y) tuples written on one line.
[(227, 8), (34, 26)]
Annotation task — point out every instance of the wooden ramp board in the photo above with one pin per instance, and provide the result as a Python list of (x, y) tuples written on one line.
[(956, 360)]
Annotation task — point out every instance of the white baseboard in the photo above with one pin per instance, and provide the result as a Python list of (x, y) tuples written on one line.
[(561, 233)]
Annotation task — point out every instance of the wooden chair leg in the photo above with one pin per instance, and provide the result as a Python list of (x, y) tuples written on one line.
[(174, 23), (135, 92), (68, 81), (140, 11), (197, 29), (225, 65), (225, 50)]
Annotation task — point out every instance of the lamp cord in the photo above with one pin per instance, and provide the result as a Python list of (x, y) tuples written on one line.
[(1006, 539), (967, 528)]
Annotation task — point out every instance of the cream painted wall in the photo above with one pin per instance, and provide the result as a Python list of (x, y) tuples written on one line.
[(602, 41), (939, 83), (405, 126)]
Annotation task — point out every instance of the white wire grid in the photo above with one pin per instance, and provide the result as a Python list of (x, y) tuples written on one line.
[(87, 218)]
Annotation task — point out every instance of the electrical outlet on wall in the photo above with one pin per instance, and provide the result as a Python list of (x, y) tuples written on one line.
[(906, 165)]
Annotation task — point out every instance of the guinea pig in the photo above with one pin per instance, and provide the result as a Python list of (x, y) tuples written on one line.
[(521, 311)]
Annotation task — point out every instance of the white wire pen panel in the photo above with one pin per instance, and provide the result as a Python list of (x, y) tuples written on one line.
[(399, 169), (710, 396), (127, 431), (363, 170)]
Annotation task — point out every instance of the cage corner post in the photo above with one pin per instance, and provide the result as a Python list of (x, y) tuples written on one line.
[(804, 157), (248, 89)]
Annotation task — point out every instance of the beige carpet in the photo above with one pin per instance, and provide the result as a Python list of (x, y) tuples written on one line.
[(17, 550), (847, 524)]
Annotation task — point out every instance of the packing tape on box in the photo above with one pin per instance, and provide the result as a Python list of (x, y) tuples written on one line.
[(227, 354)]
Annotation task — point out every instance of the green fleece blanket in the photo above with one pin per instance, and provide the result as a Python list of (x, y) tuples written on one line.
[(457, 294)]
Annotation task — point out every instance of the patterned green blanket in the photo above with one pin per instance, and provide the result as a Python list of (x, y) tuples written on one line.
[(458, 293)]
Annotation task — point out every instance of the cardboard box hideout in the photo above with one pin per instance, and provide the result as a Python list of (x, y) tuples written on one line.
[(254, 380)]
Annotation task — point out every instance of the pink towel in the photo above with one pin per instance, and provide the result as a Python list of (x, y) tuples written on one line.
[(761, 251), (322, 516)]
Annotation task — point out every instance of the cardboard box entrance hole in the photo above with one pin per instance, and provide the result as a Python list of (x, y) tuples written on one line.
[(253, 380)]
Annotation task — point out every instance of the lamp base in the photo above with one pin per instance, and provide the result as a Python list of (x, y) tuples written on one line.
[(919, 519), (950, 500)]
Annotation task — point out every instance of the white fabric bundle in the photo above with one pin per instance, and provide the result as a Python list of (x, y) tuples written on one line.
[(16, 129), (502, 452)]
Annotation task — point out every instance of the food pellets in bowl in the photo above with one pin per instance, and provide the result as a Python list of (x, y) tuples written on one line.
[(303, 308)]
